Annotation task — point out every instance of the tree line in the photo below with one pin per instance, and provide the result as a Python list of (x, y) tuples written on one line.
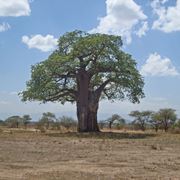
[(47, 121), (164, 119)]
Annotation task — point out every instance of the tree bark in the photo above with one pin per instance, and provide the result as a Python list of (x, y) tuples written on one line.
[(87, 118), (92, 114), (87, 105)]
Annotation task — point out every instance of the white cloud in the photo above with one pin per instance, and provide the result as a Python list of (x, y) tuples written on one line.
[(144, 28), (158, 66), (121, 17), (43, 43), (168, 18), (4, 27), (14, 8)]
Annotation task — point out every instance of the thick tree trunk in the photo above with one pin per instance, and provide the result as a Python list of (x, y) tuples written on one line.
[(87, 105), (87, 119), (92, 116)]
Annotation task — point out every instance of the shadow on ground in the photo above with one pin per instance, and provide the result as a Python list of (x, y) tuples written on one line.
[(104, 135)]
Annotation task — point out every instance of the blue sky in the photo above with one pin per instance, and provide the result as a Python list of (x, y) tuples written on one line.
[(150, 30)]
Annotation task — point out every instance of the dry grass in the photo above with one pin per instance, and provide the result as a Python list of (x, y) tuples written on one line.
[(103, 156)]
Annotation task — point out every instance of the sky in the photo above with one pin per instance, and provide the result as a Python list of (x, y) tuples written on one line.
[(150, 30)]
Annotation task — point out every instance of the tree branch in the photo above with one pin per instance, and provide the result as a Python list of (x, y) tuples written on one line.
[(100, 89), (64, 92)]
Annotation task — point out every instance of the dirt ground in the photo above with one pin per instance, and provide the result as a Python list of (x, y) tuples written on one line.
[(104, 156)]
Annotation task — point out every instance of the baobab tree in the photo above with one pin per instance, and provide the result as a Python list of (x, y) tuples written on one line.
[(84, 69)]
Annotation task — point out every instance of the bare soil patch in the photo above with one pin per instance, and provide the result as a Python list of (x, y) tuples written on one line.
[(103, 156)]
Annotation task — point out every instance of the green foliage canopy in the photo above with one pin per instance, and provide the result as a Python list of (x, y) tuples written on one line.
[(113, 74)]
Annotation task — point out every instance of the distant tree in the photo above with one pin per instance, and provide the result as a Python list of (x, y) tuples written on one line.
[(113, 118), (141, 118), (56, 124), (167, 118), (26, 120), (68, 122), (47, 119), (120, 124), (13, 121), (155, 121), (85, 69)]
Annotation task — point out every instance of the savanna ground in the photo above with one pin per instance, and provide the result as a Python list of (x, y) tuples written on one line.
[(104, 156)]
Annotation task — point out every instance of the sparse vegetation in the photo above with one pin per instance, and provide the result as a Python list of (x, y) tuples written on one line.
[(36, 156), (57, 141), (164, 119)]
